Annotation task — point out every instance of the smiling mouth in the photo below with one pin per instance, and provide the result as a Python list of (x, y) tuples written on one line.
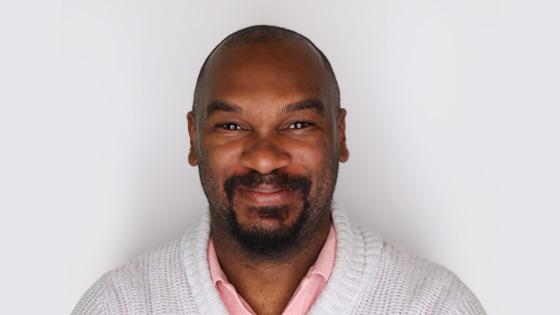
[(265, 195)]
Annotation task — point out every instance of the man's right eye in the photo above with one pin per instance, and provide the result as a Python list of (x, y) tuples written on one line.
[(229, 126)]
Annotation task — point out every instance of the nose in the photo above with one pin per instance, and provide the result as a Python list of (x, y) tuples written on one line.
[(265, 155)]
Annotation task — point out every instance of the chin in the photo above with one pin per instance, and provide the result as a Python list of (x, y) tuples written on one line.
[(270, 232)]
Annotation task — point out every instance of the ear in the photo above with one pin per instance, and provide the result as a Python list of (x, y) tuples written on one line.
[(344, 154), (192, 157)]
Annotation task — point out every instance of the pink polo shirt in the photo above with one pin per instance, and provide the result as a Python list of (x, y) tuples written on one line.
[(302, 299)]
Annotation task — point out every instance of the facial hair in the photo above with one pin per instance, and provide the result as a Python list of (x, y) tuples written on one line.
[(263, 242), (275, 243)]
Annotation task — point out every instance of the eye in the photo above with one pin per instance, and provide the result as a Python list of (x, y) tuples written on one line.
[(299, 125), (229, 126)]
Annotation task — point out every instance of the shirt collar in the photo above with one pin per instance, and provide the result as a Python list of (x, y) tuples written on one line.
[(216, 272), (324, 264)]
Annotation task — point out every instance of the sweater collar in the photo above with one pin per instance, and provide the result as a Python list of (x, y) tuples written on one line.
[(357, 258)]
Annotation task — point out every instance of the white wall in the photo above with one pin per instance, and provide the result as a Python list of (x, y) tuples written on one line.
[(453, 130)]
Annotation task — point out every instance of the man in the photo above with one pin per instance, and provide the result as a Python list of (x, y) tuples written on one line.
[(267, 133)]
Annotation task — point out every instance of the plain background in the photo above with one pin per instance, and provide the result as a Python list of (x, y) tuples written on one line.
[(452, 126)]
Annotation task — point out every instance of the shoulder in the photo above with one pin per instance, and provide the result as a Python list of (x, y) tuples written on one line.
[(139, 285), (403, 279)]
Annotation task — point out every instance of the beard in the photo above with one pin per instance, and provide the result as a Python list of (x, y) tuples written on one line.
[(268, 241), (263, 241)]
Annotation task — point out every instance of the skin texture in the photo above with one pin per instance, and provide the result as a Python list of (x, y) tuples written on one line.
[(266, 109)]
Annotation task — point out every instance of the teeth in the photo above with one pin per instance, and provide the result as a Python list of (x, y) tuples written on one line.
[(268, 189)]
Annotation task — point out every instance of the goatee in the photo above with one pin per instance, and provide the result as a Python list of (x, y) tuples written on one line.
[(269, 242)]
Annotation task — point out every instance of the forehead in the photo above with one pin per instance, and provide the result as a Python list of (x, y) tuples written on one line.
[(271, 73)]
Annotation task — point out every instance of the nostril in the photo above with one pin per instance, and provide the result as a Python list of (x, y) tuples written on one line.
[(265, 158)]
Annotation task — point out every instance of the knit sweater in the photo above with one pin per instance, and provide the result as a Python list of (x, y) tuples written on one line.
[(370, 276)]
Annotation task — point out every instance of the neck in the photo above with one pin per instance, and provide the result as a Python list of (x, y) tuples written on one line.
[(267, 284)]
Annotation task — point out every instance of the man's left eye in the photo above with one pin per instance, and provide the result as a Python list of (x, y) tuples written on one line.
[(299, 125)]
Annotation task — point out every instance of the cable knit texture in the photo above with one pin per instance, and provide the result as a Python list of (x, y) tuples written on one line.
[(370, 277)]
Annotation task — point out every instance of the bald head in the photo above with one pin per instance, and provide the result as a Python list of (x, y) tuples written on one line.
[(266, 46)]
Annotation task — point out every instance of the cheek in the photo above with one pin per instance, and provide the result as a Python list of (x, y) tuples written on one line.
[(310, 158), (222, 161), (316, 162), (313, 155)]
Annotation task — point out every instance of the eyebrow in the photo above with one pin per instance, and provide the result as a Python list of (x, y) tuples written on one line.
[(217, 106), (310, 104), (223, 106)]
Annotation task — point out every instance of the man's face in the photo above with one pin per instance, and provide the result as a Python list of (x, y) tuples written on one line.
[(267, 138)]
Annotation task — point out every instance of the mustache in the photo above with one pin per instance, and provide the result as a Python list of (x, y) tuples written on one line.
[(277, 179)]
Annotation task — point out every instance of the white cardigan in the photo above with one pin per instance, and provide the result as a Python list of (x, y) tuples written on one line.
[(370, 276)]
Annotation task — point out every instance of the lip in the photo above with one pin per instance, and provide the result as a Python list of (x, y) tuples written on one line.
[(265, 195)]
